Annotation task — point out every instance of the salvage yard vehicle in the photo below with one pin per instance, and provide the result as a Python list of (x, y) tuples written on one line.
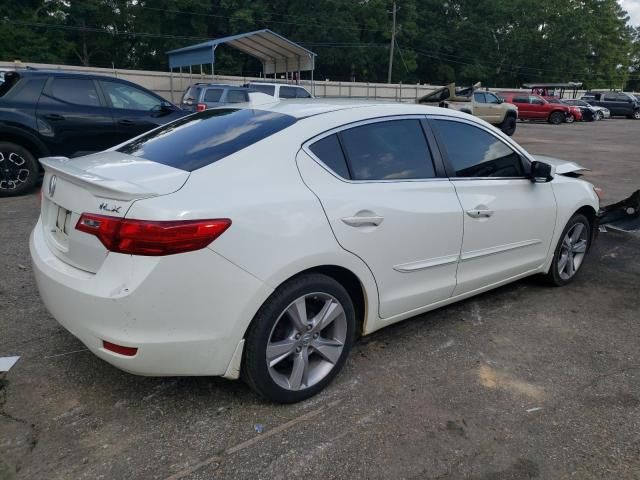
[(279, 90), (599, 113), (200, 96), (46, 112), (485, 105), (258, 243), (618, 103), (534, 107)]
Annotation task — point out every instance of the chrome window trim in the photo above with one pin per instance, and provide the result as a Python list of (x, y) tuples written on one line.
[(493, 132), (358, 123)]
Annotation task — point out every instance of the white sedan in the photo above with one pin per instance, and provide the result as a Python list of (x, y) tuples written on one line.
[(258, 243)]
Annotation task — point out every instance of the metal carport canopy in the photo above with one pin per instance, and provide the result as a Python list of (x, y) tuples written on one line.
[(276, 53)]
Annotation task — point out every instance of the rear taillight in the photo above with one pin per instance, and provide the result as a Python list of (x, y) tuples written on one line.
[(201, 107), (150, 237)]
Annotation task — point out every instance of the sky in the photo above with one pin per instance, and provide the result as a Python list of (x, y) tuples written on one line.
[(633, 8)]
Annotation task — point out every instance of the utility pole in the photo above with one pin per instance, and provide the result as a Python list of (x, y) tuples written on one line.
[(393, 42)]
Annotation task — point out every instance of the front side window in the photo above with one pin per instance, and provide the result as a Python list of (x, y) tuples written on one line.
[(479, 97), (536, 101), (330, 152), (473, 152), (288, 92), (204, 138), (236, 96), (126, 97), (268, 89), (212, 95), (302, 93), (390, 150), (78, 91), (491, 98)]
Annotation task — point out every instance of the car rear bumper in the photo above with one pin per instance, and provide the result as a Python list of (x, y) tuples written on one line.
[(184, 313)]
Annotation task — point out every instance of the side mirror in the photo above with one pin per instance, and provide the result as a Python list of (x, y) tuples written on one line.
[(540, 172), (167, 107)]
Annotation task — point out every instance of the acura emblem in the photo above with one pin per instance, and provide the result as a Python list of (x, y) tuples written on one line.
[(52, 185)]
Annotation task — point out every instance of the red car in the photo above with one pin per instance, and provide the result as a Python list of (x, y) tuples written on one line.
[(534, 107), (575, 114)]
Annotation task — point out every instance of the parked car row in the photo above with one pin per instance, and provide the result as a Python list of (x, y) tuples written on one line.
[(55, 113)]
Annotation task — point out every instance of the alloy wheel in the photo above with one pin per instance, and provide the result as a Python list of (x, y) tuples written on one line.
[(306, 341), (572, 251), (12, 170)]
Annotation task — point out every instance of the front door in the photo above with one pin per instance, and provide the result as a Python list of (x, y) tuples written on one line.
[(73, 118), (385, 204), (134, 110), (508, 220)]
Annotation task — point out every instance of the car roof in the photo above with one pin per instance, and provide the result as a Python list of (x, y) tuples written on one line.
[(274, 84), (300, 108), (218, 85)]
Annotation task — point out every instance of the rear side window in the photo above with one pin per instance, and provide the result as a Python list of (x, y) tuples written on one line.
[(79, 91), (204, 138), (212, 94), (236, 96), (268, 89), (390, 150), (9, 79), (191, 94), (521, 99), (330, 152), (472, 152)]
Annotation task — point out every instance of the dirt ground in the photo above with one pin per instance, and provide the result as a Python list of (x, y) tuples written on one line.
[(524, 382)]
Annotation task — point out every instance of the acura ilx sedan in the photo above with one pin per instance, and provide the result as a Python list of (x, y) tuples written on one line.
[(259, 243)]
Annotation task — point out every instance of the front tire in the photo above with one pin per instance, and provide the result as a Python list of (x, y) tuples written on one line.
[(570, 252), (556, 118), (599, 116), (636, 115), (570, 118), (18, 170), (508, 125), (299, 339)]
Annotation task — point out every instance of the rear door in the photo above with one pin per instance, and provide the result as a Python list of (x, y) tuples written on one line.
[(73, 117), (508, 220), (135, 110), (378, 185), (524, 106)]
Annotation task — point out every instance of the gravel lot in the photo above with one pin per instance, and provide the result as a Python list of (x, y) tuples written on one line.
[(522, 382)]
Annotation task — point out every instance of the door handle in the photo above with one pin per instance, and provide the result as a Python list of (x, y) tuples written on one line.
[(53, 116), (477, 213), (125, 122), (372, 221)]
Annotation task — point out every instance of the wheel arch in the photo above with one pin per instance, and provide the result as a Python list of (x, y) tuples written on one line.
[(25, 140)]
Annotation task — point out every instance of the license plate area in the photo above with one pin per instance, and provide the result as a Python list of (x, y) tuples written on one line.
[(60, 226)]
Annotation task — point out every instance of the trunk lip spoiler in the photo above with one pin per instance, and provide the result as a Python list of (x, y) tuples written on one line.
[(103, 187)]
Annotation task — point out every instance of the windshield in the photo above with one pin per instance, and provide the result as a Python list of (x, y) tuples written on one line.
[(204, 138)]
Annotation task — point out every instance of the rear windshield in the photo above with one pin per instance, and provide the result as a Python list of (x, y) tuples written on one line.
[(268, 89), (204, 138)]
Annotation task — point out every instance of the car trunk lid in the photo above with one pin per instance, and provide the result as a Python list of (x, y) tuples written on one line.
[(105, 183)]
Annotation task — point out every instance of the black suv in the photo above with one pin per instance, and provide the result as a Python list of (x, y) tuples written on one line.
[(618, 103), (44, 113)]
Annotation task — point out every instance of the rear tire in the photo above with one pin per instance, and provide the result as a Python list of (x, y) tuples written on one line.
[(18, 170), (508, 125), (570, 252), (556, 118), (290, 353)]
